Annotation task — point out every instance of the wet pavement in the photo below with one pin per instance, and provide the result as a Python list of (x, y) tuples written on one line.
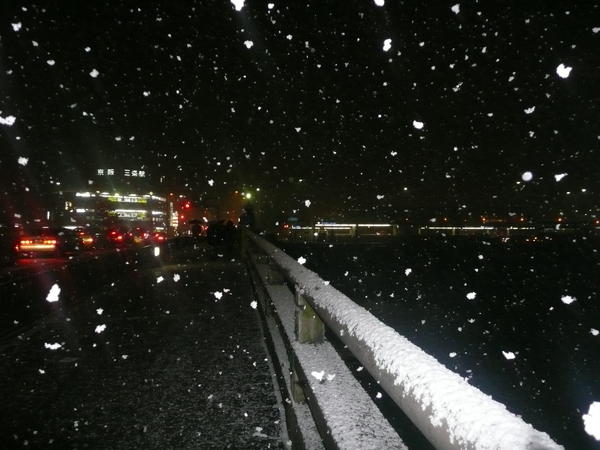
[(169, 356)]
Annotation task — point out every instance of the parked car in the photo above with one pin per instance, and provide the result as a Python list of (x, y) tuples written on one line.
[(49, 241)]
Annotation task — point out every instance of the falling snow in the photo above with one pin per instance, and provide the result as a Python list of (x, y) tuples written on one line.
[(508, 355), (563, 71), (53, 294), (559, 176), (54, 346), (238, 4), (9, 120), (591, 421), (527, 176)]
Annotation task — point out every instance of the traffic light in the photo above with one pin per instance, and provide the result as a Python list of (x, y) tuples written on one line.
[(186, 205)]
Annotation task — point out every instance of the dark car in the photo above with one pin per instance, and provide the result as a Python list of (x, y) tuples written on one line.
[(49, 241), (8, 243), (140, 236), (159, 237), (118, 237)]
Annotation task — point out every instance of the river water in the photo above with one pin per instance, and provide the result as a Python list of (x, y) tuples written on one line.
[(517, 317)]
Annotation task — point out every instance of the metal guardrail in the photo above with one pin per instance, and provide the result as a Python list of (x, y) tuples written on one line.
[(449, 412)]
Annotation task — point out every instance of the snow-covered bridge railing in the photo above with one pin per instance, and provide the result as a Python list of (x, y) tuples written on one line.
[(449, 412)]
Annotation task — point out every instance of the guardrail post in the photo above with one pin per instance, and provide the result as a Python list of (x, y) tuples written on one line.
[(296, 386), (309, 327)]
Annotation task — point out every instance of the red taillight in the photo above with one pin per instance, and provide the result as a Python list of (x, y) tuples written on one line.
[(119, 238), (26, 241)]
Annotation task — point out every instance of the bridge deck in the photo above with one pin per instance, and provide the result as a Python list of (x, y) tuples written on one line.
[(172, 357)]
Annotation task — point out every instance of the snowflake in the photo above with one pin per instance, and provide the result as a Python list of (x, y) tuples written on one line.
[(239, 4), (53, 294), (508, 355), (527, 176), (318, 375), (563, 71), (52, 346), (560, 176), (7, 120), (591, 421)]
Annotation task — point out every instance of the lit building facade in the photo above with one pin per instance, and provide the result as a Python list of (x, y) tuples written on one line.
[(122, 198), (104, 209)]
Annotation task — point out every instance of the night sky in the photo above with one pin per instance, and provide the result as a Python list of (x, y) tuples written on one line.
[(302, 100)]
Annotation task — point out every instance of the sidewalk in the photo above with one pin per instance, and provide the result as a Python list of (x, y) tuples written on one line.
[(170, 358)]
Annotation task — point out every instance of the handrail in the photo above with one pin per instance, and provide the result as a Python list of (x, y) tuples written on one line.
[(451, 414)]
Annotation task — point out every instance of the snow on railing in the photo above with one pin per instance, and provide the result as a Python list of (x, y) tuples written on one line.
[(449, 412)]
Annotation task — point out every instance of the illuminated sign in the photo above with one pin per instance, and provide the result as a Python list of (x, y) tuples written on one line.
[(132, 199), (126, 172), (132, 213)]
